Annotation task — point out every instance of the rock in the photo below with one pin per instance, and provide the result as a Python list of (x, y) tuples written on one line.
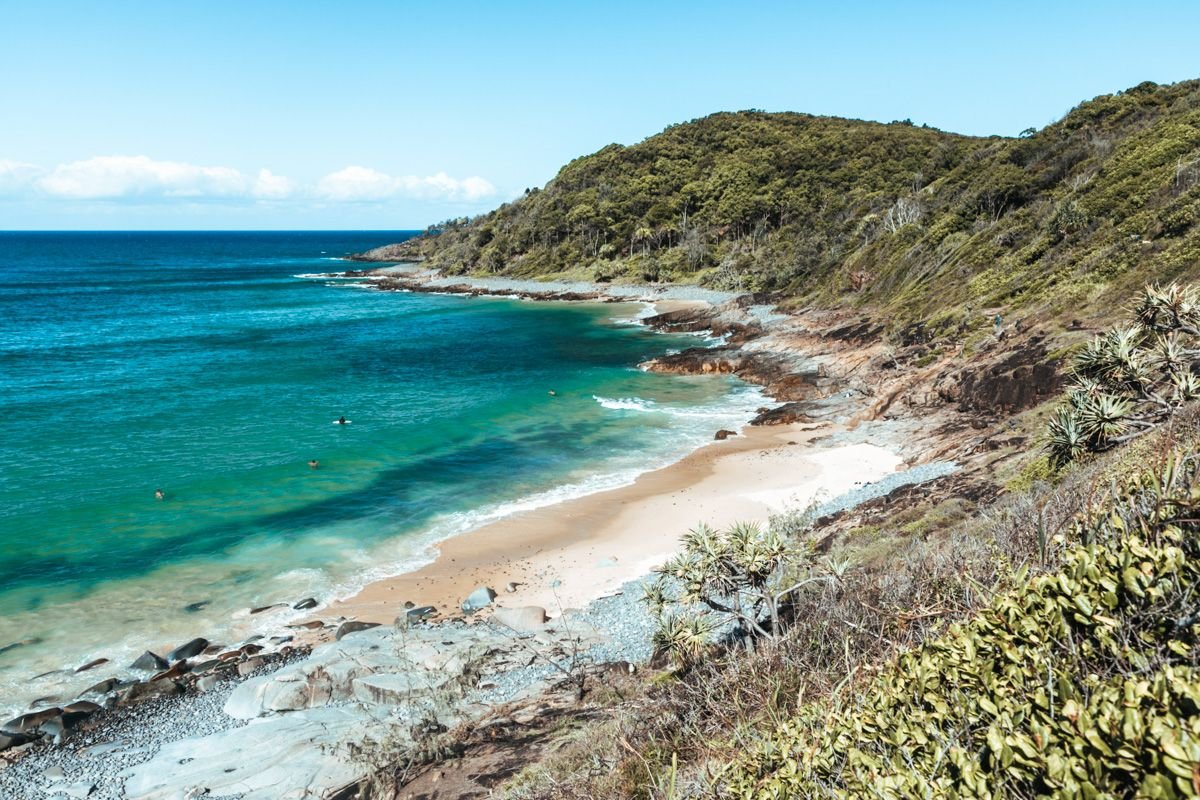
[(305, 604), (150, 662), (28, 723), (58, 727), (295, 755), (353, 626), (149, 690), (103, 687), (82, 707), (261, 609), (54, 773), (22, 643), (415, 615), (11, 740), (310, 625), (180, 669), (77, 791), (523, 619), (193, 648), (206, 666), (397, 689), (250, 665), (278, 640), (723, 434), (409, 604), (785, 414), (192, 608), (511, 586), (48, 700), (208, 683), (480, 598), (91, 665)]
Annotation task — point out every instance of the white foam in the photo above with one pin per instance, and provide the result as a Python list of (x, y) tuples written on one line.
[(625, 403)]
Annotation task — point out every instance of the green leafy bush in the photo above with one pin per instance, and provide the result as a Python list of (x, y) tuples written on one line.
[(1083, 682)]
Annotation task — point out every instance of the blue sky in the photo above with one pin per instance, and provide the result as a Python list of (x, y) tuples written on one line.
[(363, 115)]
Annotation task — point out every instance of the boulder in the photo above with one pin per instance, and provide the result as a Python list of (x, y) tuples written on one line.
[(511, 586), (150, 662), (92, 664), (480, 598), (250, 665), (103, 687), (149, 690), (353, 626), (82, 707), (193, 648), (261, 609), (723, 434), (305, 604), (208, 683), (29, 723), (414, 615), (11, 740), (192, 608), (523, 619)]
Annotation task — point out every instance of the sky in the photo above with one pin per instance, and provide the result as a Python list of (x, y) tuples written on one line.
[(396, 115)]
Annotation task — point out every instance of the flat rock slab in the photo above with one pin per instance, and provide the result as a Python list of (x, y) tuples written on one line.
[(295, 756)]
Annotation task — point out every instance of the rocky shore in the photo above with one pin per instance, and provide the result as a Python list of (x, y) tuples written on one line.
[(289, 721)]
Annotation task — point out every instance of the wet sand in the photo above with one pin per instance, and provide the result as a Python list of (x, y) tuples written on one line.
[(564, 555)]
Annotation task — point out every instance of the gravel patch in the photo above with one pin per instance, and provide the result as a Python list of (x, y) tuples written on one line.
[(117, 740)]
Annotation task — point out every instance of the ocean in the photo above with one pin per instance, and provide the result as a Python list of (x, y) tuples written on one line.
[(206, 365)]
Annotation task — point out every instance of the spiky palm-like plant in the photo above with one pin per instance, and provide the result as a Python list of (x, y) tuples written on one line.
[(1131, 378), (742, 575)]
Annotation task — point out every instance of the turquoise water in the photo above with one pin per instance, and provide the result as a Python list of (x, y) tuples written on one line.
[(201, 364)]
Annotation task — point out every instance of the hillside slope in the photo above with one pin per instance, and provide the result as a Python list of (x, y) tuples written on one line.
[(929, 227)]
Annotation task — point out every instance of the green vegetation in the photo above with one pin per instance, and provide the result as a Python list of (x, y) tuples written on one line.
[(1132, 378), (1082, 682), (933, 228)]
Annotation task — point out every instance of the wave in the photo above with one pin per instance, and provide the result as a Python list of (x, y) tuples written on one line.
[(626, 403)]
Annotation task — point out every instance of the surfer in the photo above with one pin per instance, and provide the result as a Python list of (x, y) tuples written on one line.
[(313, 463), (341, 420), (159, 495)]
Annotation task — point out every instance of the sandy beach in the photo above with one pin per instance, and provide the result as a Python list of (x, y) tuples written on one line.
[(565, 555)]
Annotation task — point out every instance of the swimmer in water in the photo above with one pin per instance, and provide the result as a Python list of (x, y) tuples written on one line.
[(313, 463), (159, 495), (341, 420)]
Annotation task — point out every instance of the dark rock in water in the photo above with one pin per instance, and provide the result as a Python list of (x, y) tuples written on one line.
[(277, 640), (92, 664), (82, 707), (193, 648), (48, 700), (305, 604), (261, 609), (480, 598), (28, 723), (212, 649), (51, 672), (312, 624), (723, 434), (148, 690), (103, 687), (23, 643), (192, 608), (150, 662), (253, 638), (353, 626)]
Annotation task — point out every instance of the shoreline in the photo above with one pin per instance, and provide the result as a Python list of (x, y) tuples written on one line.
[(565, 555)]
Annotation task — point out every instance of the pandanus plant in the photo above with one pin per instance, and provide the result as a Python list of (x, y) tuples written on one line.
[(1132, 378), (743, 577)]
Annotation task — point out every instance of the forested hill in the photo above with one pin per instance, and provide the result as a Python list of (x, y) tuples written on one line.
[(927, 225)]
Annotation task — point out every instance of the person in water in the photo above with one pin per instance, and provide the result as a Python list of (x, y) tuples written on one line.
[(341, 420), (313, 463), (159, 495)]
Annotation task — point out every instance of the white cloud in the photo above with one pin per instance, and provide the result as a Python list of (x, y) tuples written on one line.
[(15, 175), (143, 179), (269, 186), (124, 176), (355, 184)]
